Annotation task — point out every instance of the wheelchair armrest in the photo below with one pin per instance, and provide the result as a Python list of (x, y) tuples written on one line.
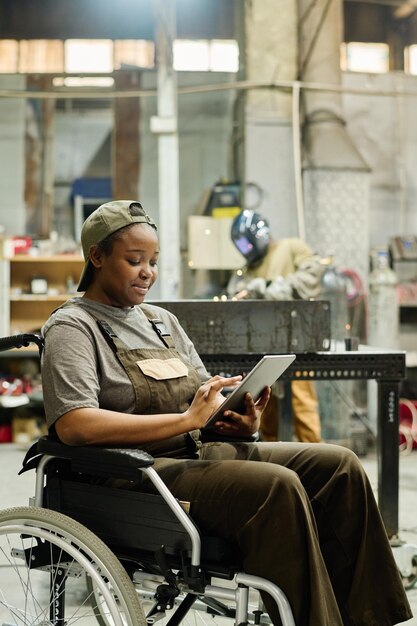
[(106, 462)]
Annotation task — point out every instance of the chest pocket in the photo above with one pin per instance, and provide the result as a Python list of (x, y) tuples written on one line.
[(161, 369), (162, 382)]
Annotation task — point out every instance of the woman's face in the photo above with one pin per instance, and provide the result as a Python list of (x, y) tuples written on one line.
[(124, 277)]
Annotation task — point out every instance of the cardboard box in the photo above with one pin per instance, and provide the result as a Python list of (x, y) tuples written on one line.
[(210, 245), (27, 429)]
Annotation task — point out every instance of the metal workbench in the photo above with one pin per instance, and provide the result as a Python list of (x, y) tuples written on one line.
[(386, 367)]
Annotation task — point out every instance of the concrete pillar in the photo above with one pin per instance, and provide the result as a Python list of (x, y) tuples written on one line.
[(12, 158), (126, 145), (270, 55), (335, 176), (165, 126), (39, 180), (270, 34)]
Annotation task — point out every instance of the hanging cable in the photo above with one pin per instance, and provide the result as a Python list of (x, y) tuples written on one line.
[(296, 140), (314, 39), (307, 12)]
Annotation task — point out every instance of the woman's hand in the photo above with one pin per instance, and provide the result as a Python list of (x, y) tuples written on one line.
[(238, 425), (208, 398)]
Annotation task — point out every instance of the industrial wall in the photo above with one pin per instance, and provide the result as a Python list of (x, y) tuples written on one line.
[(12, 158), (382, 126)]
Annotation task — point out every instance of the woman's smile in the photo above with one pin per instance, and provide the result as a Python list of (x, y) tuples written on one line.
[(141, 288)]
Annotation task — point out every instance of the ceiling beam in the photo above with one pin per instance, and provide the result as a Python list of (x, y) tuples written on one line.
[(402, 9), (391, 3)]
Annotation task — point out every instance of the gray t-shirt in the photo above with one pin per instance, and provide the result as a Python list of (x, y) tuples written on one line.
[(80, 370)]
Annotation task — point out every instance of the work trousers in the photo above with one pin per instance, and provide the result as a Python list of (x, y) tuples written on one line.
[(305, 411), (305, 414), (304, 517)]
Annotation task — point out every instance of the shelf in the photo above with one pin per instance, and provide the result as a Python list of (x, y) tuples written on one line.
[(23, 352), (59, 258), (22, 311), (31, 297)]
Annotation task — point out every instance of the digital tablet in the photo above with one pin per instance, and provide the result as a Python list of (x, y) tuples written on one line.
[(264, 374)]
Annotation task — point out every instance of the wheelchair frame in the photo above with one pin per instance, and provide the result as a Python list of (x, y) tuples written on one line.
[(167, 545)]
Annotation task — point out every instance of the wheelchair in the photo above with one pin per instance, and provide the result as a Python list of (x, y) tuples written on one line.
[(83, 552)]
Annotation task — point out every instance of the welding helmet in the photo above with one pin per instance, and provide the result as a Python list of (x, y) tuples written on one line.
[(251, 235)]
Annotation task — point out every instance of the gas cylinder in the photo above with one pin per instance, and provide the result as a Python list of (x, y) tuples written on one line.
[(334, 289), (383, 317)]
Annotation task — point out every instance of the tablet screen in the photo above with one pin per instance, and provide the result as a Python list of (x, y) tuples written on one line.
[(264, 374)]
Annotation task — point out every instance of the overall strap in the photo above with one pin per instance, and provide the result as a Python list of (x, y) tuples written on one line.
[(160, 329), (117, 344), (110, 336)]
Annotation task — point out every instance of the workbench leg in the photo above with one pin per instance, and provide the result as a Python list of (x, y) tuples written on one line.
[(286, 426), (388, 453)]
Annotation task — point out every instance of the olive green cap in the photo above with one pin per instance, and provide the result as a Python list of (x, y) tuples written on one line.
[(103, 222)]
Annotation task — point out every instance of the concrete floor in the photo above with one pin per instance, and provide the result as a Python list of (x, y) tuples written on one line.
[(15, 491)]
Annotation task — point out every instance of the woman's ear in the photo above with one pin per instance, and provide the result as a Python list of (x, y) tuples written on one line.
[(96, 256)]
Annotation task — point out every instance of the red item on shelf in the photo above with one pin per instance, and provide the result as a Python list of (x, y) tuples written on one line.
[(21, 245), (408, 422), (5, 433), (11, 386)]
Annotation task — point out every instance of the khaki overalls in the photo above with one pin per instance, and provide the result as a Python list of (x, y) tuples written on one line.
[(162, 382)]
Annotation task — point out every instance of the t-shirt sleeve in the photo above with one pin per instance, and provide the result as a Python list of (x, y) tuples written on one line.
[(70, 377)]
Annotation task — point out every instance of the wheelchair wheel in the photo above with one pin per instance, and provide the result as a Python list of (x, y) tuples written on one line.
[(45, 560)]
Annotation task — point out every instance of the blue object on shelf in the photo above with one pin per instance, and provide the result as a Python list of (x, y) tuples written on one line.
[(92, 188)]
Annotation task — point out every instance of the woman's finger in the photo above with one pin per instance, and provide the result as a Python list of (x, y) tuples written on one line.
[(218, 382), (264, 398)]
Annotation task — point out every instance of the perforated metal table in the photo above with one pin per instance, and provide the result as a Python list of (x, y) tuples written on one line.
[(368, 363)]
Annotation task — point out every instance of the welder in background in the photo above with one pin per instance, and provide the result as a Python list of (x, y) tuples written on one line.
[(284, 269)]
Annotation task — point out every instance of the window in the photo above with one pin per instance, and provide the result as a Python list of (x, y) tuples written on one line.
[(410, 59), (83, 81), (224, 56), (134, 53), (206, 55), (365, 57), (191, 55), (9, 52), (86, 56), (103, 56), (31, 56), (40, 55)]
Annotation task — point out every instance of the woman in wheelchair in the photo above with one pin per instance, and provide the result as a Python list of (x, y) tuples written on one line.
[(118, 372)]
